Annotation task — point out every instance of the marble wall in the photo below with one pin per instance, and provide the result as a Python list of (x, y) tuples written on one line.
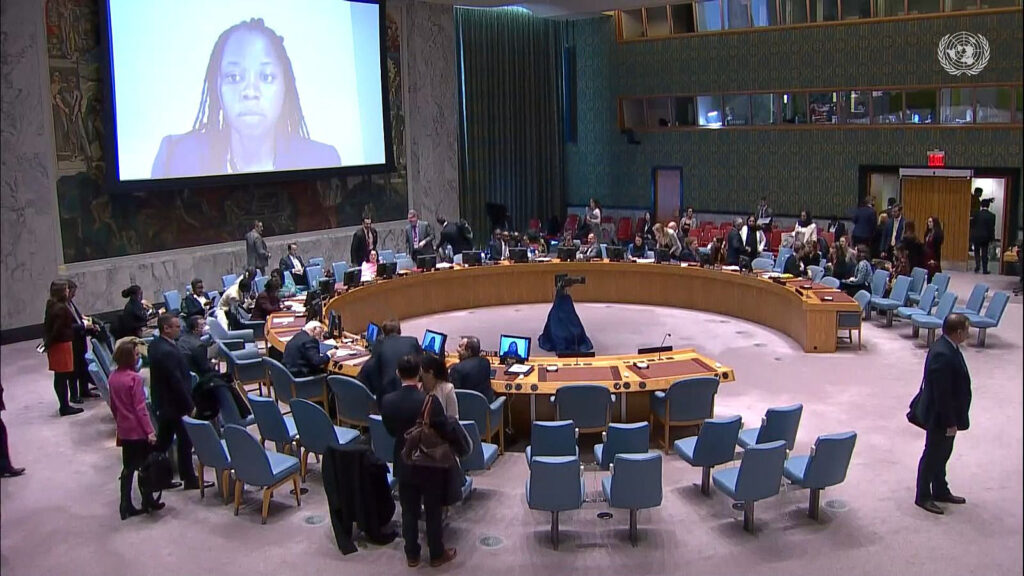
[(31, 257)]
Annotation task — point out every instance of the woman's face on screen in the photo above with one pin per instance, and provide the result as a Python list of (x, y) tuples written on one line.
[(252, 86)]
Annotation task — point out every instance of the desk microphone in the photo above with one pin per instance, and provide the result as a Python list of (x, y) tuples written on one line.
[(662, 344)]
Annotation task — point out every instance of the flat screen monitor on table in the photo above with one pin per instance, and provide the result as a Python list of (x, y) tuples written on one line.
[(427, 262), (518, 255), (515, 347), (434, 342), (471, 258), (372, 333), (353, 277), (567, 253)]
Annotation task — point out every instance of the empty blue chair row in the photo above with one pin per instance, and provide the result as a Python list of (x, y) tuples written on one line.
[(993, 314), (975, 301), (687, 402), (897, 298), (930, 322), (313, 276)]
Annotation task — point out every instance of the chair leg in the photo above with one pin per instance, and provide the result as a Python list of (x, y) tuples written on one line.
[(814, 503), (202, 480), (748, 516), (501, 437), (225, 489), (238, 495), (888, 318), (667, 428), (632, 527), (859, 332), (554, 530), (705, 481), (981, 336), (295, 484), (267, 492), (305, 463), (915, 331), (931, 336)]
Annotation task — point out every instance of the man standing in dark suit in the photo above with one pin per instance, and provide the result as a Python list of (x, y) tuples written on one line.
[(171, 391), (453, 235), (364, 240), (946, 391), (195, 350), (498, 246), (734, 247), (893, 232), (983, 232), (380, 370), (419, 237), (302, 355), (417, 486), (473, 372), (256, 253), (864, 222), (82, 330), (293, 264)]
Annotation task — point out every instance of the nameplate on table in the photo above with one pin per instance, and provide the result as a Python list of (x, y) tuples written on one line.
[(283, 320)]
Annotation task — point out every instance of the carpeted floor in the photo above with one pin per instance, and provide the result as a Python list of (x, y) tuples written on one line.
[(61, 517)]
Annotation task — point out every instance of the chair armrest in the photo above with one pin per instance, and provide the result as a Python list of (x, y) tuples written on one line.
[(233, 345), (247, 362), (611, 468), (659, 395), (613, 398), (257, 326), (498, 403), (552, 398), (246, 354), (576, 431), (604, 436), (311, 379), (244, 334)]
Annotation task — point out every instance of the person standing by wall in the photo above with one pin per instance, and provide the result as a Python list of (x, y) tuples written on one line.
[(256, 253), (983, 232), (58, 333), (7, 470)]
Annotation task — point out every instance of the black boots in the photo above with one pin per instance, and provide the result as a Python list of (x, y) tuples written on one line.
[(149, 504)]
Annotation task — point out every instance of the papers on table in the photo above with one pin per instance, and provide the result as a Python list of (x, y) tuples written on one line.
[(518, 369), (644, 260), (731, 268), (542, 259), (329, 342), (282, 320), (443, 265)]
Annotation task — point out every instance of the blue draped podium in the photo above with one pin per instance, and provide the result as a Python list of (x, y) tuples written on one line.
[(563, 332)]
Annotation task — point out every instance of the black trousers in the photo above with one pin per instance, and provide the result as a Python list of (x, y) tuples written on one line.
[(411, 495), (166, 431), (931, 470), (981, 256), (858, 240), (133, 455), (5, 455), (79, 385)]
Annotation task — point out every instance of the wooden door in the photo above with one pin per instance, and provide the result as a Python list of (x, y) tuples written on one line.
[(949, 200), (668, 194)]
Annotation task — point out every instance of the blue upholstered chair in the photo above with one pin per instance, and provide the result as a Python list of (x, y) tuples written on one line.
[(483, 454), (993, 314), (941, 282), (229, 280), (551, 439), (779, 423), (933, 322), (780, 261), (401, 255), (339, 269), (897, 297), (816, 273), (353, 400), (383, 445), (316, 431), (879, 280), (100, 379), (172, 301), (386, 256), (245, 366), (687, 402), (272, 425), (258, 467), (924, 304), (315, 262), (489, 418), (830, 282), (102, 356), (555, 485), (622, 439), (212, 452), (758, 476), (853, 321), (825, 466), (918, 276), (233, 339), (715, 445), (229, 413), (313, 276), (287, 386), (762, 264), (405, 264), (975, 301), (634, 484), (587, 405), (261, 283)]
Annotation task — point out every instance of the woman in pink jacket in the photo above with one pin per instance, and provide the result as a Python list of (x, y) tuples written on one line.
[(134, 428)]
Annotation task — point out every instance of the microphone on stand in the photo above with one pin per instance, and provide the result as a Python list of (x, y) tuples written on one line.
[(663, 344)]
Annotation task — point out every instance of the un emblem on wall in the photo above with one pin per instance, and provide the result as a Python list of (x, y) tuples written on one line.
[(963, 53)]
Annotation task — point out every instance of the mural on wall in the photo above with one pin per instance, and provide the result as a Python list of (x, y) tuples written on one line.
[(95, 224)]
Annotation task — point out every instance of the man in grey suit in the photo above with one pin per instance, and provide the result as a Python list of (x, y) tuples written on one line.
[(256, 253), (419, 237)]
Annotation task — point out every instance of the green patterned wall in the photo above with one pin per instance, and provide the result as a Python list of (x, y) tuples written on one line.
[(726, 170)]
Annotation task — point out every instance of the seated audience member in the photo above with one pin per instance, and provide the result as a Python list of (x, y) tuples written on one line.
[(690, 253), (753, 238), (851, 254), (591, 250), (666, 239), (434, 377), (196, 351), (369, 267), (809, 256), (236, 294), (569, 240), (861, 278), (498, 247), (302, 355), (638, 249), (673, 228), (912, 246), (288, 288), (716, 251), (734, 248), (473, 372), (292, 262), (806, 230), (378, 373), (792, 265), (136, 313), (268, 301), (687, 222), (839, 264), (536, 244), (196, 303), (836, 227)]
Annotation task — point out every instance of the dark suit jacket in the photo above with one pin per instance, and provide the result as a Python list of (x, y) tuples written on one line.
[(864, 222), (196, 354), (361, 247), (473, 374), (947, 386), (839, 231), (170, 382), (206, 153), (133, 318), (285, 264), (886, 238), (399, 411), (256, 253), (590, 252), (426, 237), (494, 249), (58, 323), (381, 376), (452, 234), (191, 306), (983, 227), (734, 247), (302, 355), (792, 266)]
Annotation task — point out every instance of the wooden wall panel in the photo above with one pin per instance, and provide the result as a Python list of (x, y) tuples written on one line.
[(948, 199)]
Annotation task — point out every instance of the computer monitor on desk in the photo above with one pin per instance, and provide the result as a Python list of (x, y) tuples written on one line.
[(426, 262), (567, 253), (353, 277), (614, 253), (471, 258), (434, 342), (518, 255), (387, 270), (372, 333), (516, 348), (662, 256)]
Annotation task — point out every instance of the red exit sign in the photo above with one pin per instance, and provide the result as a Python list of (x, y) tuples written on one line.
[(936, 158)]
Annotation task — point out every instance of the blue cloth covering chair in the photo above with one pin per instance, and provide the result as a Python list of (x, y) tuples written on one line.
[(975, 301), (993, 314), (634, 485), (830, 282), (233, 339), (354, 402), (918, 276), (941, 283), (172, 301), (897, 297), (825, 466), (551, 439), (779, 423), (631, 438), (211, 452), (933, 322), (316, 431), (854, 321), (258, 467), (287, 386), (489, 418), (687, 402), (587, 405), (758, 476), (714, 446), (386, 256), (555, 485), (313, 276), (102, 356), (924, 304), (483, 454), (780, 262), (762, 264), (273, 425)]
